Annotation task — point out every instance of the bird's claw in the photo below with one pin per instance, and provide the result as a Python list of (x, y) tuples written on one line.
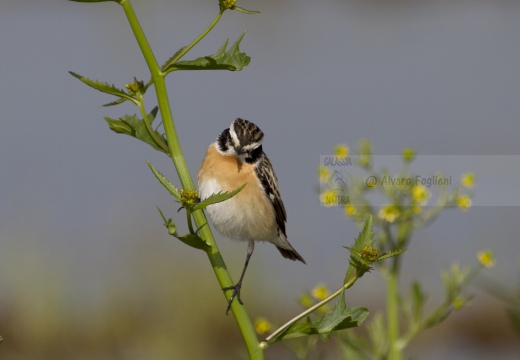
[(236, 293)]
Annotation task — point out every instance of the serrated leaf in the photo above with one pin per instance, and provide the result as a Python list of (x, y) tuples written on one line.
[(172, 189), (172, 59), (117, 102), (216, 198), (299, 329), (223, 59), (245, 11), (418, 299), (194, 241), (341, 318), (104, 87), (135, 127), (366, 236), (391, 254), (122, 100), (119, 126), (365, 239)]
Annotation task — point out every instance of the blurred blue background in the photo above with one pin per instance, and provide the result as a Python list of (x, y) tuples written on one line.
[(79, 231)]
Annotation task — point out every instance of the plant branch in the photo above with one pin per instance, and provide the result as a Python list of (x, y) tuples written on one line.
[(282, 328), (219, 267), (392, 311), (199, 38)]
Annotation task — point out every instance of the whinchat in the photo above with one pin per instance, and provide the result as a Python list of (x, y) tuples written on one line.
[(257, 212)]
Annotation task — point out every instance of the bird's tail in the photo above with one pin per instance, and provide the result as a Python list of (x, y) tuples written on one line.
[(290, 254)]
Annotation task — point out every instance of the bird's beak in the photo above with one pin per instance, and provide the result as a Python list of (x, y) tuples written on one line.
[(239, 151)]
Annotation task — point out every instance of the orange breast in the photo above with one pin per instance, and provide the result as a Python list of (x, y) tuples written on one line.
[(247, 215)]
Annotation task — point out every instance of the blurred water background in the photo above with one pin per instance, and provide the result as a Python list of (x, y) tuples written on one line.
[(87, 270)]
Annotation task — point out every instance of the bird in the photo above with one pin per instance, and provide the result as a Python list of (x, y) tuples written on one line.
[(257, 212)]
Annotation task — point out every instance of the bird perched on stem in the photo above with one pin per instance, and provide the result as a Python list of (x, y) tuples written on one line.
[(257, 212)]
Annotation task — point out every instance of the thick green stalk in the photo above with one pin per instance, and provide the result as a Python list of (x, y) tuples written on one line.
[(219, 267), (392, 310)]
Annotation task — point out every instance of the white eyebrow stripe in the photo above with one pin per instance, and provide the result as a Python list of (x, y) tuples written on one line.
[(233, 134), (251, 146)]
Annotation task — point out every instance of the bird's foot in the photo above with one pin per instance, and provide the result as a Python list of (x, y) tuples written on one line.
[(236, 293)]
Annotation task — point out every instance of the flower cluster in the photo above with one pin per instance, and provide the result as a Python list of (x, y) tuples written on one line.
[(318, 293), (189, 197), (228, 4), (408, 195)]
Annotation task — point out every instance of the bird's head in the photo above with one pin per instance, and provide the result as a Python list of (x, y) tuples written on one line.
[(243, 140)]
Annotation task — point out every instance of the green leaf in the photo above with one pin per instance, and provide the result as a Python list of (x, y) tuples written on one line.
[(116, 102), (514, 317), (391, 254), (378, 336), (216, 198), (104, 87), (120, 126), (122, 100), (298, 329), (341, 318), (165, 182), (194, 241), (418, 300), (168, 223), (242, 10), (172, 60), (135, 127), (366, 237), (223, 59)]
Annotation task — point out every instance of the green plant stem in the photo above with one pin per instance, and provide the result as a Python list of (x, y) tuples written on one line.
[(441, 311), (392, 310), (219, 267), (199, 38), (313, 308)]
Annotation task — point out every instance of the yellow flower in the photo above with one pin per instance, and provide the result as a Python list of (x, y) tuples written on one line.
[(324, 174), (341, 150), (189, 197), (420, 194), (365, 152), (408, 154), (389, 213), (416, 209), (329, 198), (458, 303), (306, 301), (464, 202), (228, 4), (320, 291), (350, 210), (369, 254), (468, 180), (262, 325), (486, 258)]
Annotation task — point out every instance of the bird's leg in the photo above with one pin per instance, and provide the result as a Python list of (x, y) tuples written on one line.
[(236, 288)]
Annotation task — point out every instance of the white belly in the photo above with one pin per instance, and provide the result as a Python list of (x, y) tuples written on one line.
[(242, 217)]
